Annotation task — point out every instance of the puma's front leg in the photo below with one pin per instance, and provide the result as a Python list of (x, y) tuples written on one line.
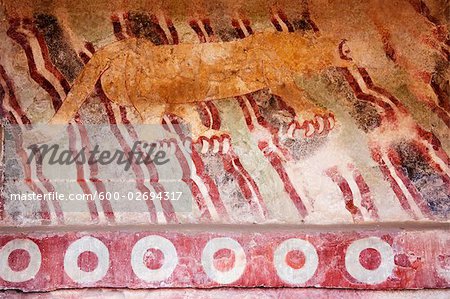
[(312, 118), (295, 97)]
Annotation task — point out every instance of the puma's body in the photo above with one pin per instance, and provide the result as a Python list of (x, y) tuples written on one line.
[(157, 79)]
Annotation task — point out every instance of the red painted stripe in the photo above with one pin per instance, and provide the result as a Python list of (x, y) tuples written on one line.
[(84, 57), (237, 27), (446, 53), (216, 121), (248, 118), (443, 97), (377, 157), (117, 27), (48, 186), (259, 117), (264, 123), (438, 110), (389, 112), (367, 201), (93, 171), (366, 77), (213, 190), (441, 113), (285, 20), (435, 143), (137, 170), (44, 212), (247, 26), (128, 29), (12, 97), (307, 16), (250, 180), (176, 121), (421, 8), (276, 24), (284, 106), (227, 160), (90, 47), (288, 186), (173, 31), (80, 174), (93, 167), (46, 57), (205, 116), (421, 203), (21, 39), (347, 193), (153, 172), (151, 168), (159, 30), (198, 196), (437, 168), (194, 25), (208, 28)]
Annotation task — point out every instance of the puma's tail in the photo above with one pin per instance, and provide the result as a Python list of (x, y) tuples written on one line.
[(81, 88)]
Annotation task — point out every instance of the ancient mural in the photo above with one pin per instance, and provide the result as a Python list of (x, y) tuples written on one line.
[(296, 113)]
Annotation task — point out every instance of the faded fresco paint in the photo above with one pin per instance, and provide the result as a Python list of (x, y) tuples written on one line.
[(358, 137), (342, 259)]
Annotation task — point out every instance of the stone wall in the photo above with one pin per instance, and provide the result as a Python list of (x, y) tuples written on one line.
[(310, 127)]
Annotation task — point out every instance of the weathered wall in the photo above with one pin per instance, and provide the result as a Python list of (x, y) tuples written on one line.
[(358, 137)]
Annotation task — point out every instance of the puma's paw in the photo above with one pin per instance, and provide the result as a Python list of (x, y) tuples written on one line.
[(41, 135), (319, 125), (216, 144)]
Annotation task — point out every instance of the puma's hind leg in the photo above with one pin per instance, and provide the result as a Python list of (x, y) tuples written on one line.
[(152, 112), (189, 113)]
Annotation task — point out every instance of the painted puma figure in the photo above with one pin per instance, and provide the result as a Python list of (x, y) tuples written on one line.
[(159, 79)]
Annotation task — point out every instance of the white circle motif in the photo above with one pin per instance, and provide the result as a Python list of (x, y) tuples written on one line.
[(285, 271), (354, 267), (8, 274), (240, 262), (138, 254), (78, 247)]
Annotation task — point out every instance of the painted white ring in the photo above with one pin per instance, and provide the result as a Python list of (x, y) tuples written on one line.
[(289, 274), (8, 274), (240, 261), (354, 267), (138, 254), (81, 245)]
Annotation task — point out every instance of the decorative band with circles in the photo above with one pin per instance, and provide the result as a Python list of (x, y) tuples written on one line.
[(143, 259)]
